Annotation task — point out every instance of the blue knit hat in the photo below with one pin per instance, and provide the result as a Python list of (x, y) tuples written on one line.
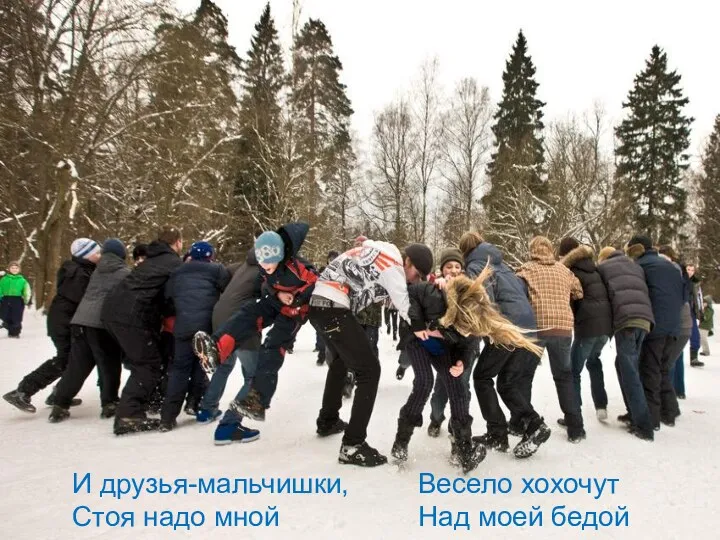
[(201, 251), (115, 246), (269, 248)]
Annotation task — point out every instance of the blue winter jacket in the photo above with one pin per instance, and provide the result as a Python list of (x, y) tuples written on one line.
[(194, 287), (667, 292), (505, 288)]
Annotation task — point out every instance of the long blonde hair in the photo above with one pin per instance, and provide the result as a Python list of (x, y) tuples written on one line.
[(470, 312)]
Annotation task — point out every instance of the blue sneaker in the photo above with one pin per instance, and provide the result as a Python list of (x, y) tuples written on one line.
[(205, 416), (230, 433)]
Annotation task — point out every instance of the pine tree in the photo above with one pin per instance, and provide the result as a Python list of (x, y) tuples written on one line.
[(260, 180), (323, 113), (708, 231), (513, 205), (653, 141)]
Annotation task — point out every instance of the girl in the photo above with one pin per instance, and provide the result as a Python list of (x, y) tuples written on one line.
[(444, 328)]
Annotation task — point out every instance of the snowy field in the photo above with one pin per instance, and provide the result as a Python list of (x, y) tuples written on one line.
[(670, 487)]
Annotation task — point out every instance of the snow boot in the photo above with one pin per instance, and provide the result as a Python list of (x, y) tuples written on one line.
[(206, 350), (493, 441), (516, 428), (434, 429), (625, 418), (250, 406), (362, 455), (326, 430), (166, 426), (537, 434), (641, 434), (402, 440), (694, 362), (191, 408), (229, 433), (108, 411), (123, 426), (50, 401), (561, 422), (576, 435), (20, 400), (206, 416), (400, 373), (470, 453), (58, 414)]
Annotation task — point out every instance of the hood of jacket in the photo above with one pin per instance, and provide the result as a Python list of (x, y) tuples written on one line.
[(109, 263), (484, 253), (581, 257), (251, 259), (541, 251), (293, 234), (635, 251)]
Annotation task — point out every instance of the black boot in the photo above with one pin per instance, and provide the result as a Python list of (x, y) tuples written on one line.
[(537, 433), (434, 429), (493, 441), (123, 426), (694, 362), (50, 401), (20, 401), (58, 414), (108, 411), (470, 453), (402, 439), (250, 406), (325, 430)]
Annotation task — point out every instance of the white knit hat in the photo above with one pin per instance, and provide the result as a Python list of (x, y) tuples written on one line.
[(83, 248)]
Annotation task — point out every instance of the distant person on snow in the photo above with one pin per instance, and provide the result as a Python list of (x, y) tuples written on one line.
[(72, 280), (15, 294)]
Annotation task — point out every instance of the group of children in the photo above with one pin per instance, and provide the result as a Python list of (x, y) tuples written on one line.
[(173, 319)]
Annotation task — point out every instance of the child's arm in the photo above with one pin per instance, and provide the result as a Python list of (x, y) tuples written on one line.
[(307, 274), (27, 294)]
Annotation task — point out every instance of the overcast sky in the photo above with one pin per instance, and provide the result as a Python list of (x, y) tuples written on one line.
[(583, 51)]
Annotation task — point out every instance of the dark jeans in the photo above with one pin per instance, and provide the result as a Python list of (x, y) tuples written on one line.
[(248, 363), (628, 343), (676, 373), (184, 374), (558, 348), (349, 345), (589, 350), (12, 309), (512, 369), (423, 363), (695, 336), (50, 370), (142, 350), (655, 361), (91, 347)]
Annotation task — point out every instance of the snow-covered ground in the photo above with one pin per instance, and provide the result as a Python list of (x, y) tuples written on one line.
[(670, 487)]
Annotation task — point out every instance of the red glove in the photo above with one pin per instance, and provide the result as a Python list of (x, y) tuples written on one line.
[(168, 325)]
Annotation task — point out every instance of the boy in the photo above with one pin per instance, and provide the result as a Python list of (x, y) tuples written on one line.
[(288, 283), (194, 289), (15, 294), (72, 281)]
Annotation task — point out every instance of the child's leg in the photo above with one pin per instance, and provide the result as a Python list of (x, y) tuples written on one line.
[(421, 363), (17, 309), (438, 401), (179, 373), (216, 388), (248, 362), (705, 344)]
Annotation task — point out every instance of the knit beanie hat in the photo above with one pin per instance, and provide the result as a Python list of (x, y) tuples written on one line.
[(201, 251), (114, 246), (642, 240), (140, 250), (421, 257), (451, 255), (269, 248), (567, 244), (82, 248)]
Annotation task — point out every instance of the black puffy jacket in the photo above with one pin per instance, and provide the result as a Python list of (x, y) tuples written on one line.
[(593, 312), (627, 290), (194, 288), (139, 300), (72, 282)]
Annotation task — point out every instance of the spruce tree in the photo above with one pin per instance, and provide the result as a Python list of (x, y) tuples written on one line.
[(322, 110), (653, 141), (260, 149), (513, 204), (708, 231)]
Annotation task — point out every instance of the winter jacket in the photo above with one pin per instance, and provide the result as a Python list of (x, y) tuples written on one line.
[(504, 287), (293, 275), (194, 288), (15, 285), (552, 286), (110, 271), (72, 281), (666, 287), (627, 290), (708, 314), (696, 296), (427, 307), (686, 313), (593, 313), (243, 287), (139, 300), (364, 276)]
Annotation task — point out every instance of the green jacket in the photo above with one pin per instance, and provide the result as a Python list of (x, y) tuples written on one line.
[(15, 285), (708, 312)]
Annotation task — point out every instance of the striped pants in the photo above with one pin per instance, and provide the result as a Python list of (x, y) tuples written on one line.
[(423, 363)]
